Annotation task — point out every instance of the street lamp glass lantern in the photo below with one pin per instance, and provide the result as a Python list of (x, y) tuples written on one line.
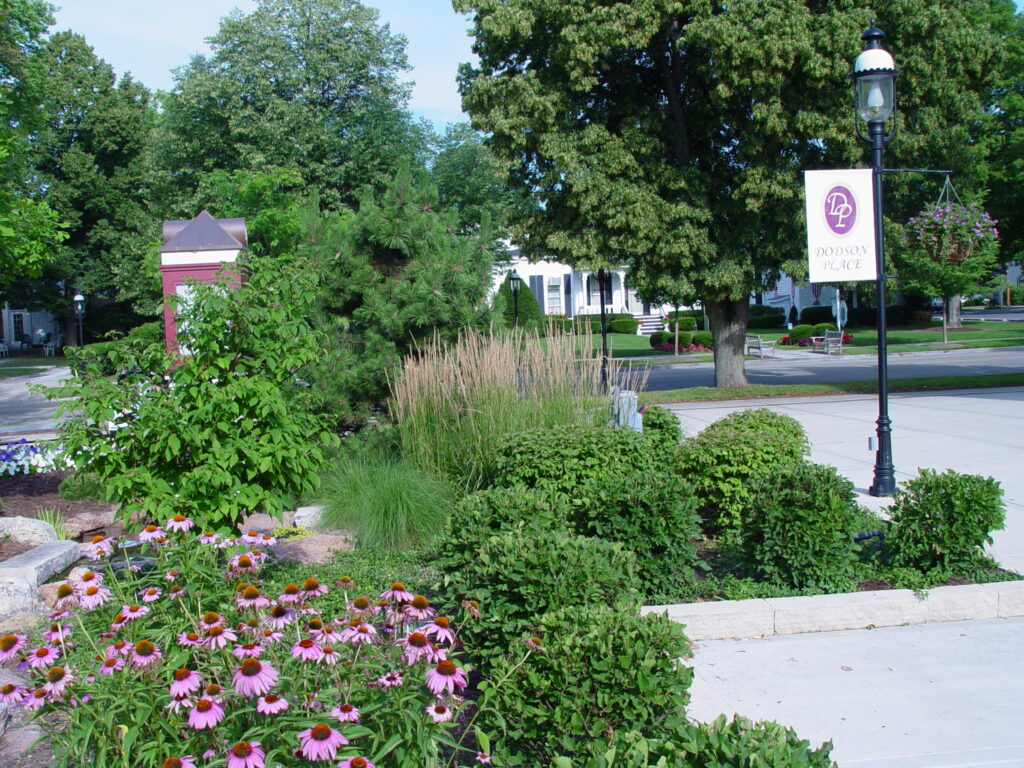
[(79, 301), (874, 76), (514, 279)]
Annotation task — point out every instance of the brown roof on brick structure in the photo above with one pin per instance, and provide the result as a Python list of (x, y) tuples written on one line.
[(204, 233)]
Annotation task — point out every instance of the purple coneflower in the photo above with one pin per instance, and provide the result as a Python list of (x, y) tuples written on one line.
[(119, 648), (225, 542), (415, 647), (280, 616), (390, 680), (272, 636), (172, 575), (205, 714), (180, 523), (111, 664), (290, 595), (10, 645), (345, 713), (218, 637), (472, 607), (251, 597), (271, 704), (189, 639), (307, 650), (250, 539), (326, 635), (43, 656), (132, 612), (66, 597), (93, 597), (57, 679), (266, 540), (57, 633), (362, 608), (312, 588), (179, 702), (150, 533), (397, 593), (440, 629), (175, 592), (12, 694), (446, 677), (36, 699), (185, 681), (209, 538), (254, 677), (418, 609), (242, 564), (330, 656), (209, 619), (151, 594), (321, 742), (356, 762), (249, 649), (187, 761), (98, 547), (439, 713), (245, 754), (483, 758), (145, 654), (359, 633)]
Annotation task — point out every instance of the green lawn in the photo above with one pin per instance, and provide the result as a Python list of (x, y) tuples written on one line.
[(23, 366)]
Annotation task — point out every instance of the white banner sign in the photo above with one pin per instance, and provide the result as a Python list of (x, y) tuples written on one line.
[(840, 225)]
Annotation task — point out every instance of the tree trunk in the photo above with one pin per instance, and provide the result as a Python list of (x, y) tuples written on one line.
[(728, 321), (953, 312)]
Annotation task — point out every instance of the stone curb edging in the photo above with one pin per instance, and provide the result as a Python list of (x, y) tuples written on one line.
[(21, 576), (741, 619)]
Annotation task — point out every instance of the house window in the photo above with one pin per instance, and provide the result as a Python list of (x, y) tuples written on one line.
[(593, 290), (19, 327), (554, 303)]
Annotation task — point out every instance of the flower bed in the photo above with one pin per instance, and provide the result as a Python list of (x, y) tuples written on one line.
[(25, 458)]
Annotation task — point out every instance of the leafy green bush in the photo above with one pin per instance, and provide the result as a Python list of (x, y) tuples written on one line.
[(80, 485), (107, 358), (696, 314), (704, 339), (228, 433), (662, 425), (516, 578), (386, 500), (798, 528), (722, 459), (595, 671), (563, 458), (661, 337), (814, 315), (801, 332), (624, 326), (684, 323), (529, 310), (774, 318), (820, 328), (943, 520)]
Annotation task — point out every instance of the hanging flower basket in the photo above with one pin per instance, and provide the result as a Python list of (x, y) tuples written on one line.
[(951, 232)]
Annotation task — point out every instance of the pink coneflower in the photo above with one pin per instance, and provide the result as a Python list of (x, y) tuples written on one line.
[(345, 713), (356, 762), (321, 742), (362, 608), (57, 633), (418, 609), (251, 597), (36, 699), (254, 677), (119, 648), (397, 593), (250, 626), (66, 597), (93, 597), (218, 637), (439, 713), (10, 645), (327, 636), (210, 619), (250, 539), (446, 677), (187, 761), (132, 612), (359, 633), (271, 704), (111, 664), (390, 680), (416, 646), (189, 639), (151, 594), (118, 623), (280, 616), (272, 636), (249, 649), (89, 579), (307, 650), (12, 694), (242, 564), (57, 679), (440, 629), (144, 654), (150, 533), (266, 540), (185, 681), (180, 523), (209, 538), (312, 588), (483, 758), (43, 656), (290, 595), (330, 656), (98, 547), (245, 754), (175, 592), (205, 714), (472, 607), (177, 703), (172, 575), (224, 543)]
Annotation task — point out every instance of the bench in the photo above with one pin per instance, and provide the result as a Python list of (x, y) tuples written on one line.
[(756, 345), (831, 342)]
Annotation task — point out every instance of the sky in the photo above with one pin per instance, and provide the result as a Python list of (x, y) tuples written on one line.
[(151, 37)]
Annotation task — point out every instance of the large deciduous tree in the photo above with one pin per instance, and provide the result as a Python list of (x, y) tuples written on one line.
[(672, 134)]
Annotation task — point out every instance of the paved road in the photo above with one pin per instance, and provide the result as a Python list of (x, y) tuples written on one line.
[(22, 412), (803, 367)]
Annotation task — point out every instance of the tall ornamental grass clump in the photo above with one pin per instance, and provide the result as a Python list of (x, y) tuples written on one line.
[(454, 403)]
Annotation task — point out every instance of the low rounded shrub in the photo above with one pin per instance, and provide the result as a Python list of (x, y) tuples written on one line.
[(820, 328), (801, 332), (942, 521), (592, 671), (798, 528), (685, 339), (661, 337), (661, 425), (772, 319), (624, 326), (704, 339), (80, 485), (684, 323), (722, 459), (495, 511), (814, 315)]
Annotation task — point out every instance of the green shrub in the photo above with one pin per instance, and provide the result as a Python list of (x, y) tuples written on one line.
[(696, 314), (516, 578), (563, 458), (120, 352), (386, 500), (661, 337), (624, 326), (820, 328), (798, 529), (597, 671), (80, 485), (943, 521), (529, 310), (661, 425), (684, 323), (722, 459), (704, 339), (801, 332), (815, 315), (772, 318)]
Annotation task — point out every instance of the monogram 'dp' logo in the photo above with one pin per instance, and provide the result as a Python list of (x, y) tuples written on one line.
[(840, 209)]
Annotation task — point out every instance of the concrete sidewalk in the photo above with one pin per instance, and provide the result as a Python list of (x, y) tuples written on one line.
[(24, 414), (947, 695)]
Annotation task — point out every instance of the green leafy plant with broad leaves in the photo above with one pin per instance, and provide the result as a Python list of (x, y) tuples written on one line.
[(661, 425), (495, 511), (722, 459), (593, 670), (798, 529), (942, 520), (218, 432), (385, 499), (80, 485)]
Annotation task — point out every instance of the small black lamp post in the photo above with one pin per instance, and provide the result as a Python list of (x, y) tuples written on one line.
[(603, 284), (79, 301), (513, 283), (874, 76)]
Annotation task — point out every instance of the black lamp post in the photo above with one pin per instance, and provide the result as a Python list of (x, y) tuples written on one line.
[(513, 283), (874, 75), (79, 301), (602, 277)]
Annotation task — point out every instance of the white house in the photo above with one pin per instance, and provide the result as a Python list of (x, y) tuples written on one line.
[(22, 329)]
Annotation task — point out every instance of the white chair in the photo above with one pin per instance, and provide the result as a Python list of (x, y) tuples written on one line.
[(3, 350)]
